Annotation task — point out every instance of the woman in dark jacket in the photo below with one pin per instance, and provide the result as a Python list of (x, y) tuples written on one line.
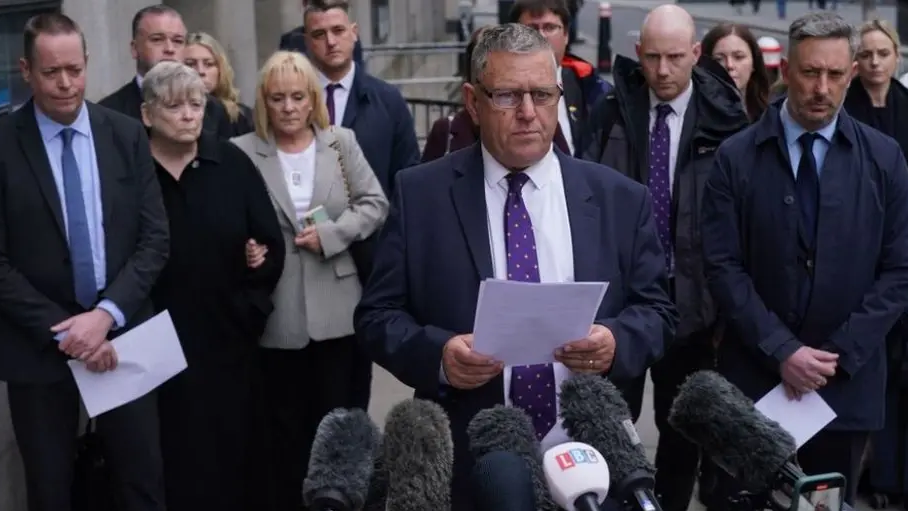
[(457, 130), (878, 99), (735, 48), (206, 55)]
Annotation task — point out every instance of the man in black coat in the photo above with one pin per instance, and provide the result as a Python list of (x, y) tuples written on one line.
[(662, 126), (83, 237), (805, 238), (158, 33)]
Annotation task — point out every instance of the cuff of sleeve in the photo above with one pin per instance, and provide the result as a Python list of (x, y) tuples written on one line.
[(329, 240), (786, 350), (114, 311), (847, 366)]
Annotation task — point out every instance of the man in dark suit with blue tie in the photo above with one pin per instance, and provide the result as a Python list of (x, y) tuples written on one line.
[(568, 220), (805, 236), (83, 236)]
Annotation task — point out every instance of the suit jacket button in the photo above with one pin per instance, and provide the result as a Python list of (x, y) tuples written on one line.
[(789, 200)]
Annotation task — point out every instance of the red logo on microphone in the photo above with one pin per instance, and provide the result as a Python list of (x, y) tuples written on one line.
[(565, 460)]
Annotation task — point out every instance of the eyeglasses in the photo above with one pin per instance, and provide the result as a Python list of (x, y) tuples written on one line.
[(513, 98), (547, 28)]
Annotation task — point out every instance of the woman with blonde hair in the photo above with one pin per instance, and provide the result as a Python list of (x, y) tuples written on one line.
[(326, 197), (206, 55)]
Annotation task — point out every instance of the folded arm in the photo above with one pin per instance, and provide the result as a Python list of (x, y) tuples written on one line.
[(368, 204)]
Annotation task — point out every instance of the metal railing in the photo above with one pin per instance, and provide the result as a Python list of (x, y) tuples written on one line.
[(426, 111)]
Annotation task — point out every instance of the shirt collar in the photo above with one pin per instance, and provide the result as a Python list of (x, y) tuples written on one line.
[(793, 130), (50, 128), (558, 76), (540, 173), (346, 82), (679, 104)]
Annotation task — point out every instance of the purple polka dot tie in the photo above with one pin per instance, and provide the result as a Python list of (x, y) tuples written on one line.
[(659, 184), (329, 100), (532, 387)]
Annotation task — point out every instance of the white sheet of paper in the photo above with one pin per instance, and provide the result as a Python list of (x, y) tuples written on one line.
[(522, 323), (803, 419), (149, 355)]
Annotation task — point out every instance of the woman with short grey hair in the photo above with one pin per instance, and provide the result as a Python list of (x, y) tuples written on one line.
[(216, 203)]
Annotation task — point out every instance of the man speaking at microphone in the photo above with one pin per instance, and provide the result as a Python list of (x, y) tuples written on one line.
[(575, 221)]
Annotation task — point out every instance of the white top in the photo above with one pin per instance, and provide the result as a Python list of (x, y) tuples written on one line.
[(341, 94), (564, 119), (675, 122), (299, 174), (545, 201)]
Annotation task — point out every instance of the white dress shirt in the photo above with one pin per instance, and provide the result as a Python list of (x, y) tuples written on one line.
[(545, 201), (675, 122), (341, 94), (299, 173), (564, 118)]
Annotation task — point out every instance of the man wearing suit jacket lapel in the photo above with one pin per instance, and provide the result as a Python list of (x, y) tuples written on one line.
[(447, 232), (158, 33), (84, 236)]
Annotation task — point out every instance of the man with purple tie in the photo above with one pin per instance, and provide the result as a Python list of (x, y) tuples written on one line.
[(662, 127), (511, 207)]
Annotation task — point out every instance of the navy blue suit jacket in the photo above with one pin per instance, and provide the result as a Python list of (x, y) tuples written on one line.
[(434, 251), (860, 275)]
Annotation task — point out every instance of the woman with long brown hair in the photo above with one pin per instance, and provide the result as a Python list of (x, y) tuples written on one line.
[(735, 48), (206, 55)]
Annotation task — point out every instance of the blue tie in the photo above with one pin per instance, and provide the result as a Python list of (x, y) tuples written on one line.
[(79, 238)]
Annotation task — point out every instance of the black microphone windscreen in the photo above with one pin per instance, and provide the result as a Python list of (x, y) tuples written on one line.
[(594, 412), (343, 453), (508, 429), (419, 456), (714, 414), (502, 481)]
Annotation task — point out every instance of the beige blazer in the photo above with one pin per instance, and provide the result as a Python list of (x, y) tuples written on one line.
[(317, 293)]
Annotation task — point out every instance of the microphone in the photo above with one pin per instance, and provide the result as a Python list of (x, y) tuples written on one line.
[(340, 465), (508, 429), (594, 412), (418, 456), (577, 476), (502, 481), (756, 451)]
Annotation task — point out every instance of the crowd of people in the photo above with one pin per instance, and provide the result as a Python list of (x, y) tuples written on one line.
[(747, 225)]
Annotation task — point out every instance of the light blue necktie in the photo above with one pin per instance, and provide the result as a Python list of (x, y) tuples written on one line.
[(79, 238)]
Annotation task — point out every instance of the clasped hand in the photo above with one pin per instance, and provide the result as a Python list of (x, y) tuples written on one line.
[(85, 339), (807, 370), (466, 369), (308, 239)]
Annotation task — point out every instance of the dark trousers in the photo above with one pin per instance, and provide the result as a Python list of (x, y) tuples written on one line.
[(889, 462), (361, 375), (45, 420), (835, 451), (300, 387), (206, 418), (677, 459)]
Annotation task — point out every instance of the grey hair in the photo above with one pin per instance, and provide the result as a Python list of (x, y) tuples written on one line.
[(822, 25), (507, 38), (169, 81)]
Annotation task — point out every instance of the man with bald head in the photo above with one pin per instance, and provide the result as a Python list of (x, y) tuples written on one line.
[(661, 126)]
